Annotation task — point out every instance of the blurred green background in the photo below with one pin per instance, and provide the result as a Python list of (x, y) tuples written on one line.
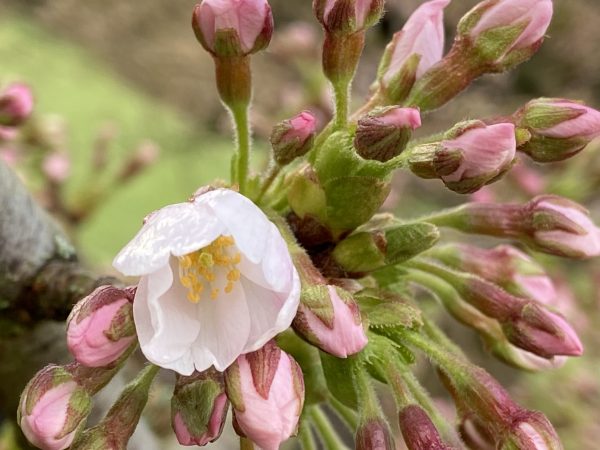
[(113, 77)]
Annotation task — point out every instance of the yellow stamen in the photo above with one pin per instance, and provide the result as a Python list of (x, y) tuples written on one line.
[(201, 266)]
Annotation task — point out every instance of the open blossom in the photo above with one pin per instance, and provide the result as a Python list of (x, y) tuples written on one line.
[(423, 36), (217, 281), (266, 389), (100, 327), (53, 407), (248, 22), (533, 16)]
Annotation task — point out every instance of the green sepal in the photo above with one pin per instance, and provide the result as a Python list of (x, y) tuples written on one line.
[(195, 402), (388, 310), (494, 44)]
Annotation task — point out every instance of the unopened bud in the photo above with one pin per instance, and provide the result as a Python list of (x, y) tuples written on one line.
[(371, 250), (532, 432), (16, 105), (559, 128), (471, 155), (562, 227), (413, 50), (548, 223), (199, 408), (503, 265), (504, 33), (100, 327), (328, 317), (229, 28), (418, 430), (374, 434), (116, 428), (266, 385), (384, 132), (53, 409), (57, 167), (347, 16), (542, 333), (293, 138), (475, 435)]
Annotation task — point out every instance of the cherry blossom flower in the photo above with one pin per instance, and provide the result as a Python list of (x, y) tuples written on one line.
[(217, 281)]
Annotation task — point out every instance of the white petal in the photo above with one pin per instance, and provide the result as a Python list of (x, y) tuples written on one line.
[(275, 272), (270, 312), (224, 329), (167, 323), (174, 230), (243, 219)]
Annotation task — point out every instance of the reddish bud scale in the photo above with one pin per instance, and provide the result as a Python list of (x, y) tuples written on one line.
[(418, 430), (374, 435)]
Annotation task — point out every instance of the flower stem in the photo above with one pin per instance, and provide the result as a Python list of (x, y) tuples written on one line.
[(242, 158), (345, 413), (246, 444), (330, 438), (307, 439), (274, 170), (342, 96)]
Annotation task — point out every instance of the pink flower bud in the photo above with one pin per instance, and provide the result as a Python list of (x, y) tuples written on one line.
[(347, 16), (57, 167), (100, 327), (559, 128), (532, 432), (266, 389), (543, 333), (329, 318), (233, 27), (16, 104), (8, 134), (10, 155), (374, 434), (293, 138), (472, 155), (384, 132), (529, 18), (563, 227), (486, 152), (418, 430), (199, 408), (503, 265), (417, 47), (53, 408)]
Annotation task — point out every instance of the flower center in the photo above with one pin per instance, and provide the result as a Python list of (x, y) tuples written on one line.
[(198, 270)]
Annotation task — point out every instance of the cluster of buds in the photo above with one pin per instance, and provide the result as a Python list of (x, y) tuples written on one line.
[(494, 36), (318, 285), (489, 417)]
